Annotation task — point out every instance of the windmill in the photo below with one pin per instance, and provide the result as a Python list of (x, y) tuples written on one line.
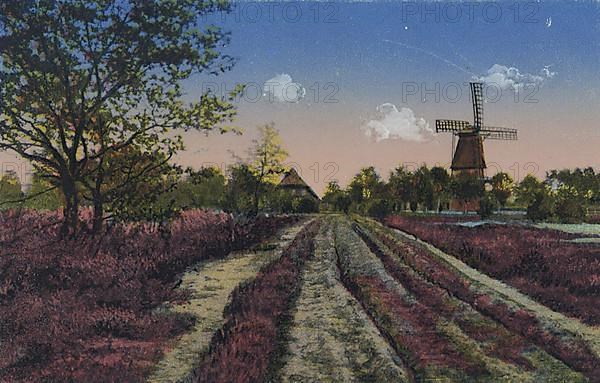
[(468, 156)]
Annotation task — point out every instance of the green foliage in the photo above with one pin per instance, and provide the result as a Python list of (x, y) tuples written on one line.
[(398, 188), (586, 182), (379, 208), (204, 188), (305, 205), (335, 198), (502, 187), (542, 206), (528, 189), (85, 82), (42, 195), (441, 185), (488, 205), (466, 187), (267, 156), (10, 190), (365, 185), (239, 197), (569, 205)]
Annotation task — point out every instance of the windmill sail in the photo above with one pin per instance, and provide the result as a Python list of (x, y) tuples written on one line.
[(453, 126), (477, 97)]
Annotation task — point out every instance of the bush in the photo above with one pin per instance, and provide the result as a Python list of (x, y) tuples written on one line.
[(488, 205), (570, 211), (379, 208), (306, 205), (541, 208)]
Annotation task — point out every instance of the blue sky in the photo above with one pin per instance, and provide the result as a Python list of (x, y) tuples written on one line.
[(364, 55), (354, 61)]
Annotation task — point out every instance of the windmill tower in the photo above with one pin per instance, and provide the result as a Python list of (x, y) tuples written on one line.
[(468, 157)]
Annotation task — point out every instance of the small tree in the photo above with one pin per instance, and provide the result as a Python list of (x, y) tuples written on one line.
[(502, 187), (267, 156), (333, 192), (542, 206), (422, 188), (487, 205), (441, 185), (528, 189), (467, 187), (569, 205), (400, 187), (365, 185)]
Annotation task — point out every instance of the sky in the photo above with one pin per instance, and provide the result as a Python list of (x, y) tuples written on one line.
[(350, 85)]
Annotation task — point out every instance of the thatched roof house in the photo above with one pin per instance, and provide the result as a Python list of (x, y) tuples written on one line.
[(296, 185)]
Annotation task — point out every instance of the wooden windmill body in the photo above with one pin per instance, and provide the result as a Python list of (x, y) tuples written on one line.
[(468, 156)]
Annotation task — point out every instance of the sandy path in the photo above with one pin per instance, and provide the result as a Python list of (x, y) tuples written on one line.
[(332, 338), (210, 284)]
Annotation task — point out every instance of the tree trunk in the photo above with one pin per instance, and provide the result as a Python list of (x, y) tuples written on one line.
[(98, 215), (98, 199), (71, 209), (256, 198)]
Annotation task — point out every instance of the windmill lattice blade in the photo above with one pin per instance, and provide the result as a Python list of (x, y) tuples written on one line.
[(477, 97), (454, 126), (496, 133)]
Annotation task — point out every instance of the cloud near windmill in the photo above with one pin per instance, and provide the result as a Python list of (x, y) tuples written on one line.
[(393, 124), (511, 78)]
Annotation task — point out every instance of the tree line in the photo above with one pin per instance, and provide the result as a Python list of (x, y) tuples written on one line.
[(564, 195), (248, 186)]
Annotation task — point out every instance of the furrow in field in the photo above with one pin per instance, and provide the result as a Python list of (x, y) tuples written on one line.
[(332, 339), (210, 285), (507, 356), (249, 345), (525, 321), (415, 334)]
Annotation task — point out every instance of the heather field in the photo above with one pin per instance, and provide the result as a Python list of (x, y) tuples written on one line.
[(548, 264), (317, 298), (88, 309)]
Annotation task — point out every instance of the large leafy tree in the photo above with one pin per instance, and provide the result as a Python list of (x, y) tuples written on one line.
[(81, 80)]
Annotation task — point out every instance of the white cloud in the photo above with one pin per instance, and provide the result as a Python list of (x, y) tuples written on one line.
[(393, 124), (282, 88), (511, 78)]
